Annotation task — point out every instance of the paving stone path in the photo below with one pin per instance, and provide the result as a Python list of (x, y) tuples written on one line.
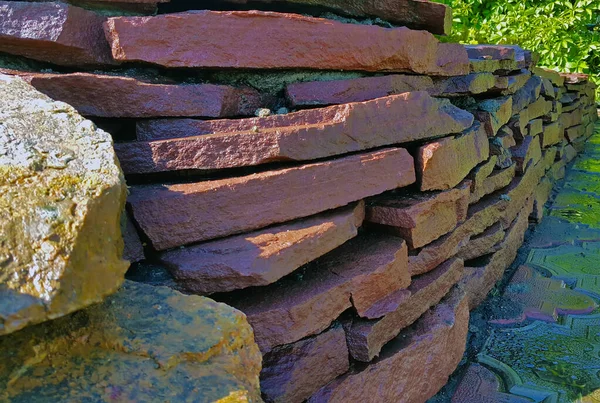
[(546, 346)]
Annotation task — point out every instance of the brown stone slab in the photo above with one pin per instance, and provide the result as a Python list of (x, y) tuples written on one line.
[(180, 214), (535, 127), (414, 366), (493, 66), (420, 218), (53, 32), (553, 76), (497, 52), (496, 181), (528, 94), (482, 244), (549, 156), (134, 250), (300, 136), (552, 133), (443, 164), (261, 257), (538, 108), (513, 83), (415, 14), (471, 84), (571, 119), (502, 207), (527, 153), (540, 197), (361, 273), (266, 40), (315, 93), (292, 373), (99, 95), (366, 338), (494, 113), (478, 281)]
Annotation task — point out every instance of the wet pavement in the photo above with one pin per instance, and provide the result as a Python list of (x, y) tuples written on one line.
[(542, 337)]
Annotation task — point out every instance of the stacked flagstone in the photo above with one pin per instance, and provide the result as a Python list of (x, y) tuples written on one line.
[(355, 190)]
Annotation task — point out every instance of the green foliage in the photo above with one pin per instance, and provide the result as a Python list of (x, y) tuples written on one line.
[(566, 34)]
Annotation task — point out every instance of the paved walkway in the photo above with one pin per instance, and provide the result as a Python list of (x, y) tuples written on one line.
[(542, 342)]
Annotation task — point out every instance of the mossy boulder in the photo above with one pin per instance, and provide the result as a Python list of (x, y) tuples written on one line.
[(142, 344), (61, 197)]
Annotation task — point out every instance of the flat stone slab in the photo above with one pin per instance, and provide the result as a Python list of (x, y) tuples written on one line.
[(443, 164), (142, 344), (300, 136), (422, 217), (431, 351), (206, 210), (53, 32), (261, 257), (111, 96), (266, 40), (367, 338), (292, 373), (415, 14), (61, 198), (364, 273)]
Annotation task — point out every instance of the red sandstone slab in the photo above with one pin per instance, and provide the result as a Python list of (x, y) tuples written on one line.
[(261, 257), (206, 210), (551, 75), (134, 250), (496, 207), (552, 133), (494, 113), (478, 281), (100, 95), (313, 93), (53, 32), (362, 273), (535, 127), (420, 218), (497, 52), (266, 40), (292, 373), (414, 366), (527, 153), (528, 94), (443, 164), (496, 181), (366, 338), (571, 119), (415, 14), (482, 244), (300, 136)]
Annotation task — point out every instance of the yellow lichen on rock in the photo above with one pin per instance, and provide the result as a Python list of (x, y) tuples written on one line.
[(143, 344), (61, 197)]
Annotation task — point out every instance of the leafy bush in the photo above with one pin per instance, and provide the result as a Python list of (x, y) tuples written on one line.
[(566, 34)]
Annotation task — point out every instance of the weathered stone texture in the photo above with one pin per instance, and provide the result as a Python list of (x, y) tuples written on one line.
[(292, 373), (367, 272), (494, 113), (206, 210), (261, 257), (420, 218), (142, 344), (53, 32), (431, 352), (266, 40), (415, 14), (366, 338), (62, 193), (99, 95), (445, 163), (299, 136)]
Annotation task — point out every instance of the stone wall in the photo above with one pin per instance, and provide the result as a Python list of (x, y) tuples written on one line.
[(355, 187)]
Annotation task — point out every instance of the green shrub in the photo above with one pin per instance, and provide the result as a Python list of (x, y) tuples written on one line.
[(566, 34)]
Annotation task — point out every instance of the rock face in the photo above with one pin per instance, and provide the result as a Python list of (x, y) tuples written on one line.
[(126, 97), (62, 194), (261, 257), (207, 210), (144, 343), (415, 14), (431, 352), (53, 32), (268, 40), (299, 136)]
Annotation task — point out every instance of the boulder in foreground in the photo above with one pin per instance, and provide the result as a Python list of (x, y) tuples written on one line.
[(62, 194), (142, 344)]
